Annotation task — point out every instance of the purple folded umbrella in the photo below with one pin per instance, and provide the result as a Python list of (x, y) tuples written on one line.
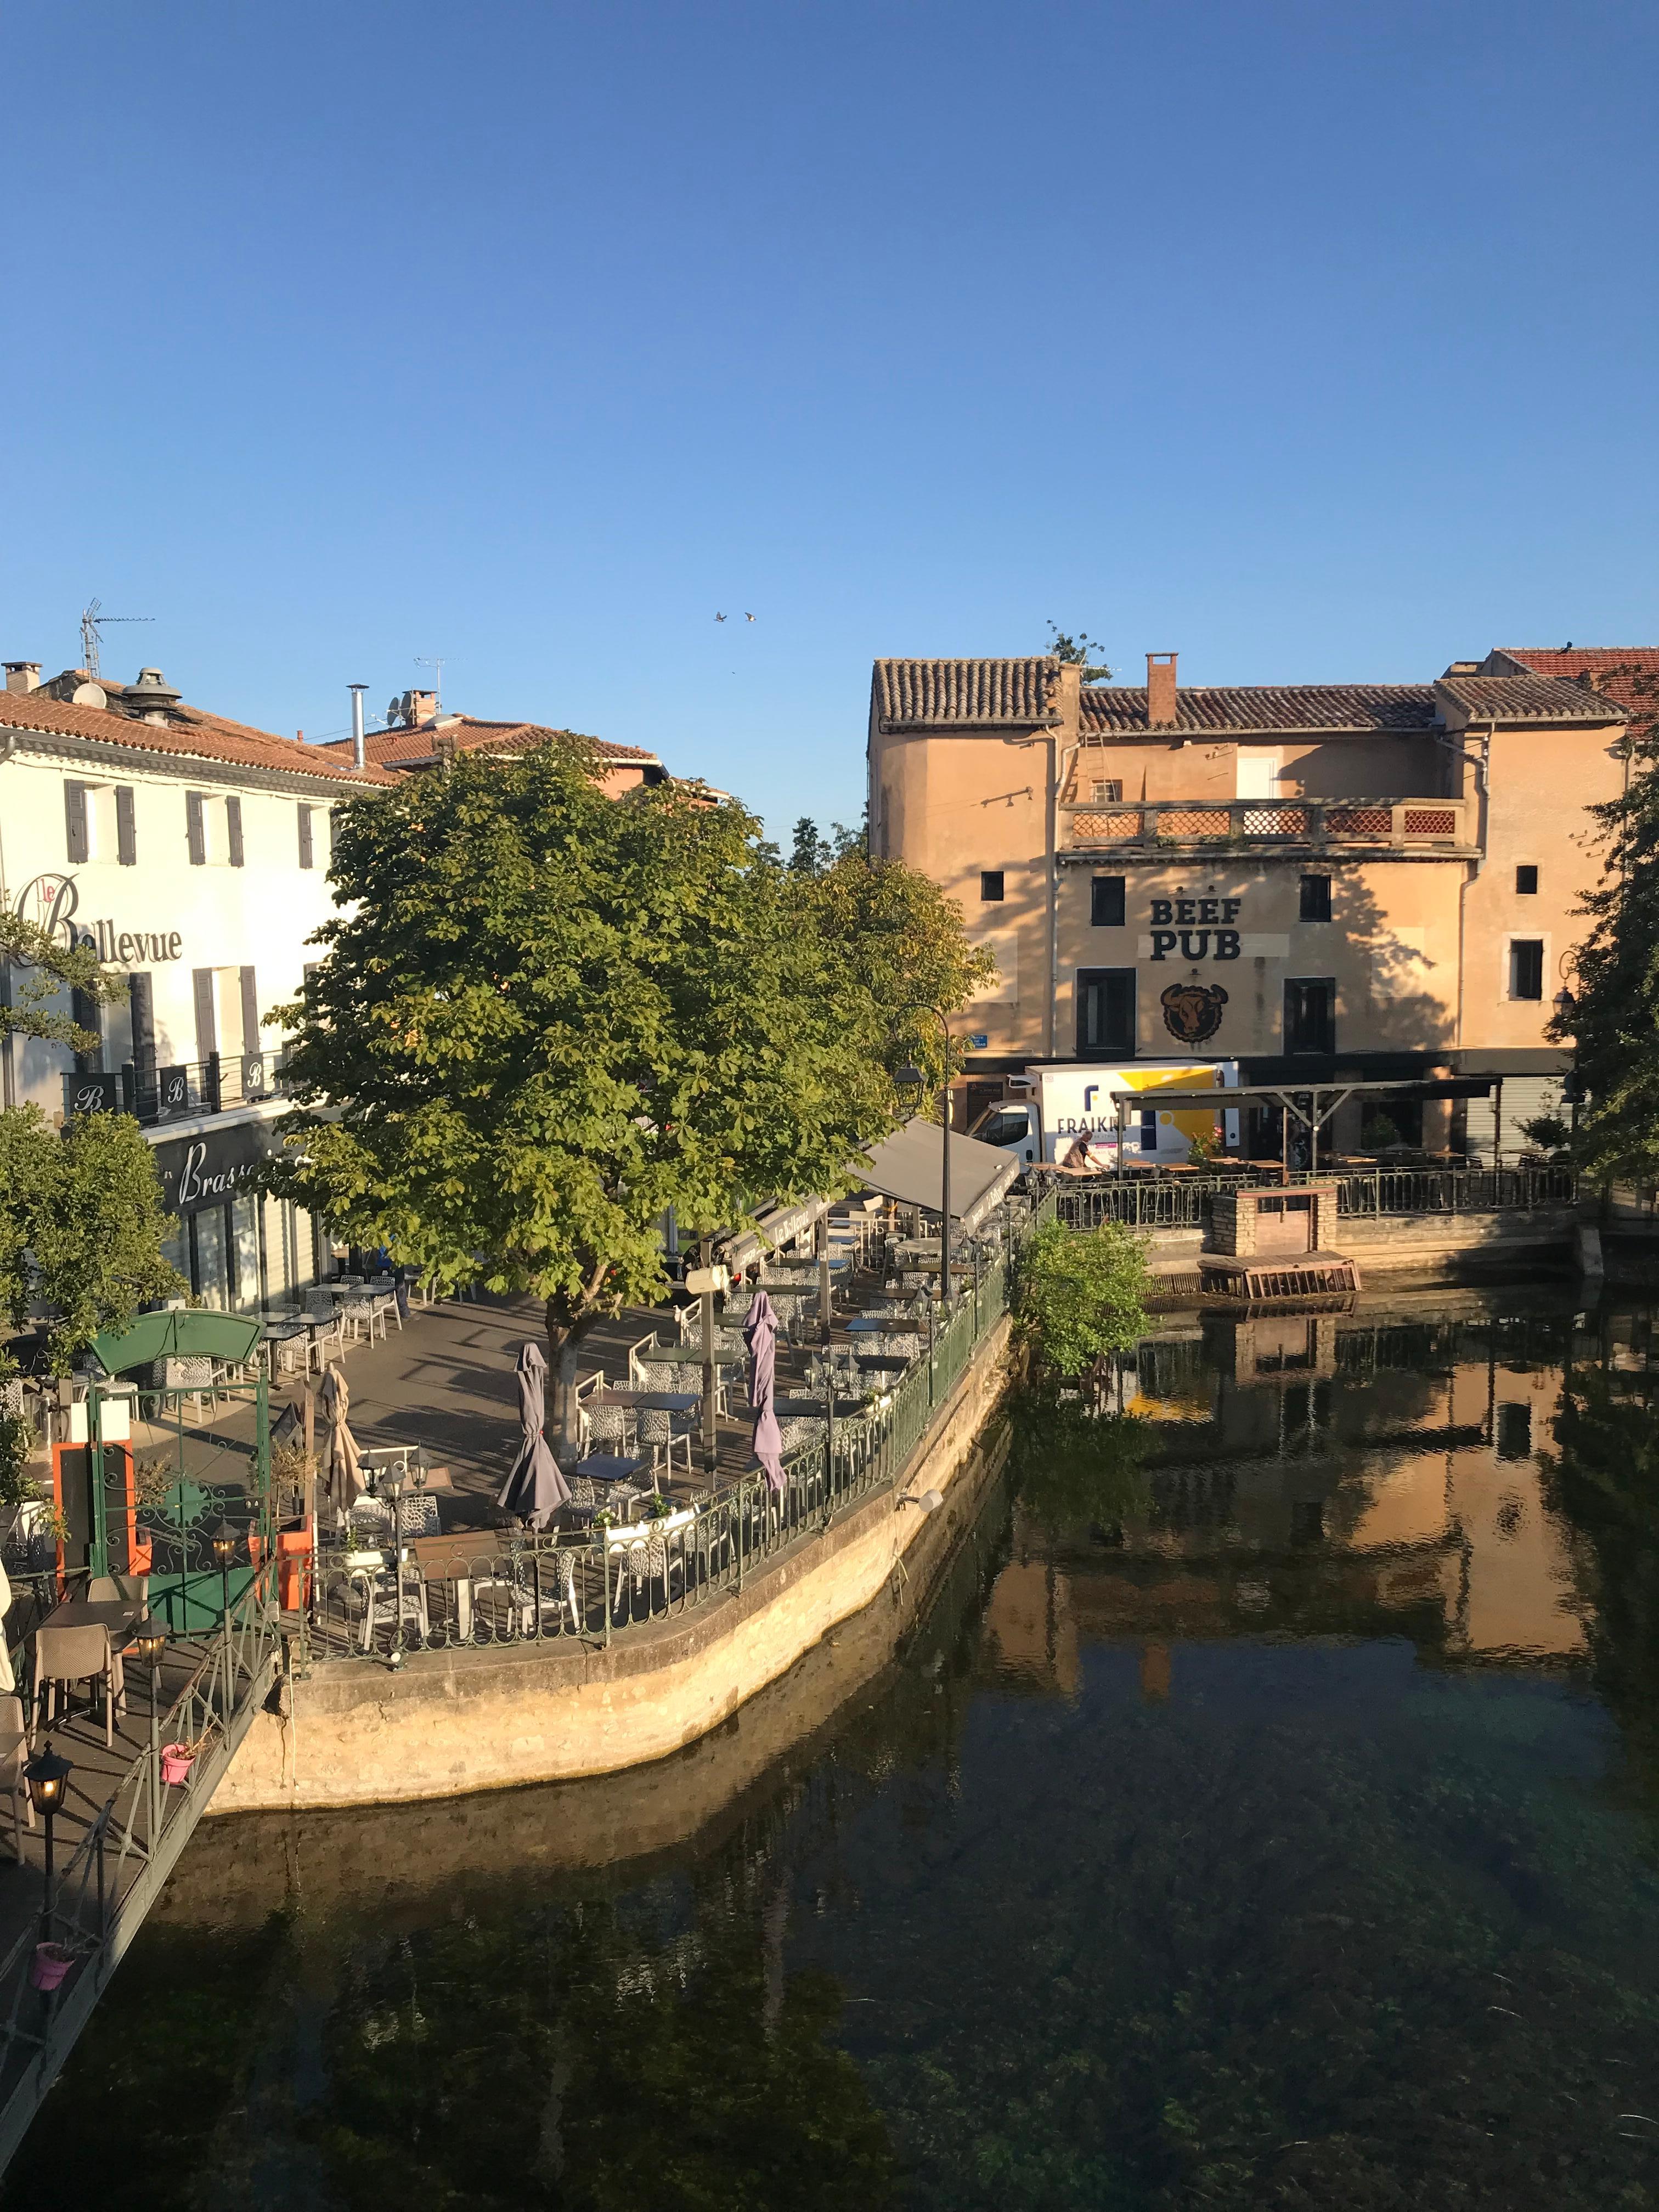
[(761, 1331), (535, 1489)]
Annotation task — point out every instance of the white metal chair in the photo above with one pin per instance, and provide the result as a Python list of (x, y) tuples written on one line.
[(660, 1430), (63, 1656)]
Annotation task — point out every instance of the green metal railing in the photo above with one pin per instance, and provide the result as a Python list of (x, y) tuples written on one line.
[(1143, 1202)]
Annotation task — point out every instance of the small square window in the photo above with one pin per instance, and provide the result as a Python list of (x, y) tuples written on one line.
[(990, 882), (1106, 791), (1526, 881), (1106, 903), (1315, 898), (1526, 968)]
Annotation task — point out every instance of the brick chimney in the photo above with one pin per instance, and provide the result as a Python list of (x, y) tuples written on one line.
[(423, 706), (1160, 690), (22, 675)]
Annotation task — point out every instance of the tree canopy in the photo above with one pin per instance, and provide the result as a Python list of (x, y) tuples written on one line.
[(81, 1226), (49, 969), (1078, 1294), (1614, 1022), (544, 1017), (1078, 651)]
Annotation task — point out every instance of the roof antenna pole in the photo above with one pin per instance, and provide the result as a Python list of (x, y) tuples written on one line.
[(93, 619), (437, 668)]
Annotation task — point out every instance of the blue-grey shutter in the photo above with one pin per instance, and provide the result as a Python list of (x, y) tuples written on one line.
[(250, 1012), (234, 824), (126, 828), (197, 828), (75, 820), (207, 1031), (307, 859)]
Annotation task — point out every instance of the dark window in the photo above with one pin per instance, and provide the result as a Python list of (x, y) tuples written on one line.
[(1311, 1016), (1106, 903), (75, 820), (1105, 1012), (87, 1013), (196, 828), (1514, 1431), (990, 882), (1526, 881), (1315, 898), (307, 853), (233, 829), (1526, 968), (126, 832)]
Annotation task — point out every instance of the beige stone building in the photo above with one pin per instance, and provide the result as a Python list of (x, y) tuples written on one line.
[(1372, 880)]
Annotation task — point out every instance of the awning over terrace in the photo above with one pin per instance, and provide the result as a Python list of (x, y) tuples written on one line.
[(906, 1166)]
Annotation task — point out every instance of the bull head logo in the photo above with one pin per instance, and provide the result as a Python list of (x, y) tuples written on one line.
[(1191, 1011)]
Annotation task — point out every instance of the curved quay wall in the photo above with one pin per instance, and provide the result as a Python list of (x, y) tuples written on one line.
[(451, 1723)]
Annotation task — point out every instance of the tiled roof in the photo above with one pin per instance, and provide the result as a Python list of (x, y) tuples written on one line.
[(1119, 709), (1529, 699), (400, 747), (962, 694), (1616, 672), (193, 734)]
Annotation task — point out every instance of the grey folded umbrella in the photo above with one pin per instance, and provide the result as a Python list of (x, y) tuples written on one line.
[(761, 1331), (535, 1489)]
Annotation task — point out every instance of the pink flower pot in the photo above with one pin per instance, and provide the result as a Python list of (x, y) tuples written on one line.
[(176, 1759), (51, 1962)]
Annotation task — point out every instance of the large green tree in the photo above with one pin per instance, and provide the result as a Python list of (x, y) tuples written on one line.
[(81, 1226), (544, 1017), (1614, 1022)]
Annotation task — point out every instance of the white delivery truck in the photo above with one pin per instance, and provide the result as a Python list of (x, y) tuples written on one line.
[(1046, 1113)]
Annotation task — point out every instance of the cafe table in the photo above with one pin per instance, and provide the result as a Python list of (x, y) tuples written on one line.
[(112, 1613), (655, 1401), (684, 1355)]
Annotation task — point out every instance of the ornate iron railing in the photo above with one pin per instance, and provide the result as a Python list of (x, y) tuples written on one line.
[(1142, 1202)]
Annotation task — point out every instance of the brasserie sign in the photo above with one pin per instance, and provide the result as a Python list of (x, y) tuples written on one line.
[(210, 1169)]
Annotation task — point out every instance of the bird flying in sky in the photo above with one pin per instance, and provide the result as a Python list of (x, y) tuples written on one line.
[(720, 618), (749, 618)]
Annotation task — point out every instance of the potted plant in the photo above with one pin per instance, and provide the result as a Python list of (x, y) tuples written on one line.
[(178, 1758), (657, 1507), (51, 1963)]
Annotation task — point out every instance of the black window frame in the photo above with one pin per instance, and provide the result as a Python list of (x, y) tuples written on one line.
[(1315, 899), (1119, 983), (1526, 879), (1108, 902), (987, 878), (1527, 966), (1301, 1039)]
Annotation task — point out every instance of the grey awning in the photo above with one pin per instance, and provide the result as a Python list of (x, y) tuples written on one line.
[(906, 1166), (776, 1226)]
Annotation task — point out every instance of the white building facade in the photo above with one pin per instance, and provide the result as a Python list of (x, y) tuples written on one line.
[(191, 854)]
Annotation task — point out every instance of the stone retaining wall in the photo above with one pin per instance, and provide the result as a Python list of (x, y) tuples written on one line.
[(450, 1723)]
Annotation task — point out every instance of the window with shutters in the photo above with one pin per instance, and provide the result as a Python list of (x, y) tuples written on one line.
[(1310, 1014), (1106, 902), (213, 829), (307, 846), (98, 823), (1105, 1013), (1526, 967)]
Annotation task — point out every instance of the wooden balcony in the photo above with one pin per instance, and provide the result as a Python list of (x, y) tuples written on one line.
[(1319, 825)]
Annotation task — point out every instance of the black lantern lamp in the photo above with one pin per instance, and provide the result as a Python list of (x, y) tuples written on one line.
[(46, 1778), (1565, 1004), (148, 1638), (225, 1540)]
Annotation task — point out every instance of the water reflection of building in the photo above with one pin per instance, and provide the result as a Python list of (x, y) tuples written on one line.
[(1376, 1473)]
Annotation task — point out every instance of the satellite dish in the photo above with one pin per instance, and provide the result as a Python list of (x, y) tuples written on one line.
[(394, 712)]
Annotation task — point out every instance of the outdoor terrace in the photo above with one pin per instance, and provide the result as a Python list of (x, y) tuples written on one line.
[(1314, 825)]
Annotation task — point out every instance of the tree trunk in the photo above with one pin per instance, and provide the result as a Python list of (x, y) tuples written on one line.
[(564, 1339)]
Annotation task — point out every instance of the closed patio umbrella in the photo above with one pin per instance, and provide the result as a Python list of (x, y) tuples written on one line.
[(345, 1483), (535, 1489), (760, 1333)]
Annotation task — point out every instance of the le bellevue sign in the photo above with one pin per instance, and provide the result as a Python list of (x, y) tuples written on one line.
[(53, 902)]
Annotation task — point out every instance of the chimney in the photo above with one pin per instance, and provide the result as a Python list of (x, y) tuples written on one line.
[(357, 691), (423, 706), (22, 675), (150, 697), (1160, 690)]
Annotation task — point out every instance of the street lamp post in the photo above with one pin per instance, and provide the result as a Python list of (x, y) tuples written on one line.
[(914, 1075), (47, 1777), (148, 1642), (224, 1539)]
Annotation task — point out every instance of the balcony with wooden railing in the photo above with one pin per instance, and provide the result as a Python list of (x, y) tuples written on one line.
[(1320, 825)]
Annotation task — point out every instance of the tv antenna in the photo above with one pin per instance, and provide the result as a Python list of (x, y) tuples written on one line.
[(437, 668), (93, 619)]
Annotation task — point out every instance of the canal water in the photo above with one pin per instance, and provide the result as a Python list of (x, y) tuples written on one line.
[(1263, 1813)]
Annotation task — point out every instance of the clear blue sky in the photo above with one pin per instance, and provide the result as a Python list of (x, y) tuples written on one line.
[(1315, 341)]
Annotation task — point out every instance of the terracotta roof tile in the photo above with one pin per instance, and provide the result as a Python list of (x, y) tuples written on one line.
[(1615, 670), (1529, 699), (963, 693), (398, 747), (1119, 709), (194, 735)]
